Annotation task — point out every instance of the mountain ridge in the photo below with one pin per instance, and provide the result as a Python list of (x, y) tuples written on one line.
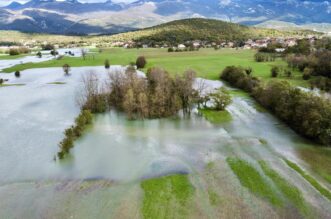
[(96, 18)]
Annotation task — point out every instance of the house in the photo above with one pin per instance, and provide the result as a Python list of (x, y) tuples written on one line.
[(279, 50), (181, 46), (196, 44)]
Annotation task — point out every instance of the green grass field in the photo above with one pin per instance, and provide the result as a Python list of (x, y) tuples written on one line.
[(216, 117), (167, 197), (6, 57), (208, 63), (250, 178)]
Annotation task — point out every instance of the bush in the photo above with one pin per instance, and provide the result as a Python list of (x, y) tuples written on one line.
[(74, 132), (221, 99), (141, 62), (66, 69), (238, 77), (275, 71), (39, 55), (307, 73), (107, 64), (170, 49), (288, 73), (54, 52), (264, 57), (14, 52), (1, 81), (322, 83), (47, 47), (17, 74)]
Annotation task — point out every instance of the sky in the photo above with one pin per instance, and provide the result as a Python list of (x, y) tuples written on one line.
[(7, 2)]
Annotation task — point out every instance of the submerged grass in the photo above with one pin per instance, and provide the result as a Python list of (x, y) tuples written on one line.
[(11, 85), (319, 159), (57, 83), (166, 197), (324, 191), (250, 178), (289, 191), (216, 117)]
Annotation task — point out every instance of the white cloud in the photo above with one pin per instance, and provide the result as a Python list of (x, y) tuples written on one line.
[(7, 2), (225, 2)]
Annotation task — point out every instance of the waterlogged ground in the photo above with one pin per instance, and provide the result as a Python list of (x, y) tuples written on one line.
[(46, 56), (243, 163)]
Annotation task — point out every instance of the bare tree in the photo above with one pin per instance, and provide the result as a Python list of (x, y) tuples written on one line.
[(83, 52), (66, 69)]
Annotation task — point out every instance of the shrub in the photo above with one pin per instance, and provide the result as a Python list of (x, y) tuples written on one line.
[(54, 52), (17, 74), (66, 69), (107, 64), (39, 55), (141, 62), (1, 81), (221, 99), (238, 77), (47, 47), (275, 71), (14, 52), (307, 73), (74, 132), (322, 83), (170, 49), (288, 73), (23, 50)]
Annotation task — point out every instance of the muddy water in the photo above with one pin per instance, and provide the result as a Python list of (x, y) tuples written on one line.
[(109, 161)]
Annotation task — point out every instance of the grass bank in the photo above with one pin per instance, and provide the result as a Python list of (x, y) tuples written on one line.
[(216, 117)]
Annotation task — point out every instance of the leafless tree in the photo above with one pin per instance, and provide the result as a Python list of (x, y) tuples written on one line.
[(83, 52)]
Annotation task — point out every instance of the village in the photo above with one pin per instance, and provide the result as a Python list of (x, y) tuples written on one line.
[(25, 46)]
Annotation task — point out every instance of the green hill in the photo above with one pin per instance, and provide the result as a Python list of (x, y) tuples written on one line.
[(173, 32), (206, 29)]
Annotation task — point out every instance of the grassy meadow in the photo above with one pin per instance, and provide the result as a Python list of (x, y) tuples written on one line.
[(208, 63)]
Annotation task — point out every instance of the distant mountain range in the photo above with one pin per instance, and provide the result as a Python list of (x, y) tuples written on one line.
[(76, 18)]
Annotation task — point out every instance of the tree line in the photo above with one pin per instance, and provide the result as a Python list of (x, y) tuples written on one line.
[(306, 113)]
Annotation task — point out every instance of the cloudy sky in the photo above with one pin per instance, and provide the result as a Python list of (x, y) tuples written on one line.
[(6, 2)]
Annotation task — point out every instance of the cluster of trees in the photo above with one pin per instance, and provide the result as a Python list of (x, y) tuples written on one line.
[(19, 50), (156, 96), (47, 47), (265, 57), (317, 63), (74, 132), (240, 77), (94, 95), (278, 70), (306, 113)]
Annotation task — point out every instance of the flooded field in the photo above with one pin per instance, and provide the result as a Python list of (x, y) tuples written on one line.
[(251, 166)]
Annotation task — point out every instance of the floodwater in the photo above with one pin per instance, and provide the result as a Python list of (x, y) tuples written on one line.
[(34, 59), (101, 177)]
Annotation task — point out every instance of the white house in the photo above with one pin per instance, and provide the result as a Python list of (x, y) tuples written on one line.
[(181, 46)]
